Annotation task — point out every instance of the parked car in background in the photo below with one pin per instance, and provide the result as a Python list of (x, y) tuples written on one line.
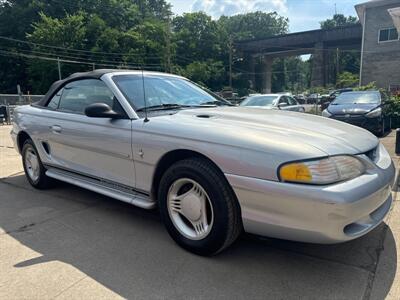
[(212, 169), (301, 99), (367, 109), (336, 93), (273, 101), (325, 102)]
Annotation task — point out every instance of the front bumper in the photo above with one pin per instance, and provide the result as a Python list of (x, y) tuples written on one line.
[(315, 214), (371, 124)]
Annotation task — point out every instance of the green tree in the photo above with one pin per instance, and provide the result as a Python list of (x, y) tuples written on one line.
[(135, 27), (337, 21), (208, 73), (196, 36), (254, 25), (347, 79)]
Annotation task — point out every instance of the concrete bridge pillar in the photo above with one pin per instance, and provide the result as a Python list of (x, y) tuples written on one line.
[(267, 78), (318, 65), (252, 72)]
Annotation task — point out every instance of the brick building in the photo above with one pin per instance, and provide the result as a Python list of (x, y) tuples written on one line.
[(380, 50)]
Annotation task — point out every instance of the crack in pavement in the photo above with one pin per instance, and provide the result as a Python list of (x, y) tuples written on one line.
[(372, 274), (72, 285), (380, 248)]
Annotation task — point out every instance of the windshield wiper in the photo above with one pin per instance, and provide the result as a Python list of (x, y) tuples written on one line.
[(216, 102), (164, 106)]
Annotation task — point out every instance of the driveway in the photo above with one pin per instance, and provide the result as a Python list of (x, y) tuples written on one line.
[(71, 243)]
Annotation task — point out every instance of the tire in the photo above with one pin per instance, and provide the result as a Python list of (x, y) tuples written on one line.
[(224, 223), (33, 167)]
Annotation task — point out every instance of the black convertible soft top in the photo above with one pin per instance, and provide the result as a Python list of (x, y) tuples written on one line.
[(95, 74)]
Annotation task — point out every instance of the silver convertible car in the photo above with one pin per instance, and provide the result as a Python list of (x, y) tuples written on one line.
[(212, 169)]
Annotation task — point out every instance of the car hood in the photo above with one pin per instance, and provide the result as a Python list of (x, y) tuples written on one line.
[(266, 130), (351, 109)]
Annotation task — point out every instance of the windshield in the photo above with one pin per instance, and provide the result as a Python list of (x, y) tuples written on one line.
[(259, 101), (163, 91), (357, 98)]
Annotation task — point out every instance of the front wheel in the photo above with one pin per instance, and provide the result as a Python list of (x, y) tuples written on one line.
[(33, 167), (198, 207)]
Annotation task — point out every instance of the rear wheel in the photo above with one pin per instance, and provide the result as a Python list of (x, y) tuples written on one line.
[(198, 207), (33, 167)]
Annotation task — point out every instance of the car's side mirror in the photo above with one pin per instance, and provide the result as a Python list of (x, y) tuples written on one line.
[(102, 110)]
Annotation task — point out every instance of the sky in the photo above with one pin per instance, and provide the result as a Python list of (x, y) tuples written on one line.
[(303, 14)]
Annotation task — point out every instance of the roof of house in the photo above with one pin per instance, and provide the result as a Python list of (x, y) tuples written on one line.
[(360, 8)]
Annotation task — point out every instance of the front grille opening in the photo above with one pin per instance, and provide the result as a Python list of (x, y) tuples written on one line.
[(354, 229), (368, 221)]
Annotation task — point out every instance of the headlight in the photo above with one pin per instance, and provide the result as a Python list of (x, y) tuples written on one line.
[(326, 113), (323, 171), (375, 113)]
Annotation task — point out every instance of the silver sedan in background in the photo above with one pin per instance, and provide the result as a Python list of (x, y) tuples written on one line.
[(273, 101), (212, 169)]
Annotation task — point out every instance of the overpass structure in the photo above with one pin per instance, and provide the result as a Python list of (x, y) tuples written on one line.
[(316, 42)]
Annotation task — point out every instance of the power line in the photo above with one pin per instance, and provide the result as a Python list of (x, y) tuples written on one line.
[(70, 49), (91, 52), (89, 60), (32, 56)]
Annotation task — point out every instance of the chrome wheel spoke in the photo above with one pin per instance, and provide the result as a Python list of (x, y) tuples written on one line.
[(176, 205), (199, 227), (189, 210)]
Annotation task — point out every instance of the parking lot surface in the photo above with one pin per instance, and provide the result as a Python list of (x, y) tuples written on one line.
[(67, 243)]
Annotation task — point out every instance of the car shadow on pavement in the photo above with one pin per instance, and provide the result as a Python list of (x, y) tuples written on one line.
[(127, 250)]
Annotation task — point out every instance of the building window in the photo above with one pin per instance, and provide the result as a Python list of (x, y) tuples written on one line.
[(388, 34)]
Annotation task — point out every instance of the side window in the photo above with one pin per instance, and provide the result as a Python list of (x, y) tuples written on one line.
[(292, 101), (55, 101), (283, 99), (79, 94)]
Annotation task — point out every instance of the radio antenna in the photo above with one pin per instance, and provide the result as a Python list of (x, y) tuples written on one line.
[(146, 119)]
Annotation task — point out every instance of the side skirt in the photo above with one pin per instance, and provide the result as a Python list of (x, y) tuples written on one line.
[(102, 187)]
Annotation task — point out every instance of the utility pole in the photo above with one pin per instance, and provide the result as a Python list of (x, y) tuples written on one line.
[(19, 93), (169, 44), (337, 63), (59, 68), (230, 63), (335, 9)]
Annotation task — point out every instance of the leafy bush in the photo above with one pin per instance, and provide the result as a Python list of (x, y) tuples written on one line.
[(346, 80), (367, 87), (394, 107)]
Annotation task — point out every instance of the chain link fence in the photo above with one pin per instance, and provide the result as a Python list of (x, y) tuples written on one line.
[(8, 102)]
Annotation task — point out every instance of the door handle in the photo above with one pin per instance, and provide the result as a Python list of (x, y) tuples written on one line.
[(56, 128)]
